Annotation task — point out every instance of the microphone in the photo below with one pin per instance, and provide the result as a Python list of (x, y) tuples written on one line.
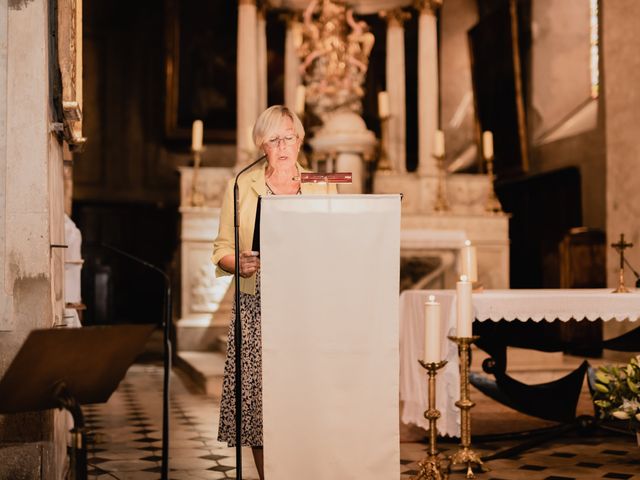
[(237, 328), (167, 353)]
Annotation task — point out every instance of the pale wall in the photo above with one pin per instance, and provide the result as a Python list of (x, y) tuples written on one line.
[(621, 44), (31, 160), (559, 86)]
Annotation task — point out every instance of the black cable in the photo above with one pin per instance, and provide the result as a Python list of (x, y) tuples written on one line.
[(167, 354), (237, 328)]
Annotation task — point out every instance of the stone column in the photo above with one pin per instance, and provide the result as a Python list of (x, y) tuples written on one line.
[(292, 42), (397, 122), (262, 58), (247, 79), (428, 91)]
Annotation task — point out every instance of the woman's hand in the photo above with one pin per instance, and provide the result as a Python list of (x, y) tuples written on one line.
[(249, 263)]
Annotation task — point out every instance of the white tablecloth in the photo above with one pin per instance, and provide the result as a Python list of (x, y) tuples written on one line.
[(556, 304), (493, 305)]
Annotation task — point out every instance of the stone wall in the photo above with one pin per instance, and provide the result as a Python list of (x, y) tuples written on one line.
[(621, 43), (30, 217)]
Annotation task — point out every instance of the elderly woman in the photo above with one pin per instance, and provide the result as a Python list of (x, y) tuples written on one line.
[(279, 133)]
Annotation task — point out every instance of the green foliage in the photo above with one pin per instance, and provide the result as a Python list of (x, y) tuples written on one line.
[(617, 391)]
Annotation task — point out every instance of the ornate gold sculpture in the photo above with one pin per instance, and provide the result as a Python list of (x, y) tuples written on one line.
[(430, 468), (334, 57), (465, 456)]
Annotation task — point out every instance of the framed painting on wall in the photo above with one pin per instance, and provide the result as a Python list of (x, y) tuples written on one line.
[(200, 68), (497, 66)]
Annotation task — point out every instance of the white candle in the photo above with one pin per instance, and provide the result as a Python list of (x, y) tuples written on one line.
[(383, 105), (468, 257), (487, 144), (432, 331), (464, 313), (438, 143), (196, 135), (301, 93)]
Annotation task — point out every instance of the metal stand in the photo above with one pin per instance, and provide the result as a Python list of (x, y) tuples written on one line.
[(237, 327), (430, 468), (465, 456), (67, 368)]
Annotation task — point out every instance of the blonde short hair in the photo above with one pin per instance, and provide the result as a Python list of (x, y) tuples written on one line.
[(271, 119)]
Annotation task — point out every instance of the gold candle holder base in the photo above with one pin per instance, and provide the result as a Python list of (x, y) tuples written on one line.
[(465, 456), (621, 286), (492, 204), (430, 466), (197, 197), (384, 165), (442, 204)]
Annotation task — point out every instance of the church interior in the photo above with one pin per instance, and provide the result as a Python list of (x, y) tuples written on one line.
[(508, 127)]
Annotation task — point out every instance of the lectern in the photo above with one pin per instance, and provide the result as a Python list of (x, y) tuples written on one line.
[(67, 368), (329, 286)]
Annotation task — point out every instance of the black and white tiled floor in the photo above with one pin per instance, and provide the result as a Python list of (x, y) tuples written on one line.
[(125, 442)]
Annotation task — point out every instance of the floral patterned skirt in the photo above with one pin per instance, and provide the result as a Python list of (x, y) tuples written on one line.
[(251, 365)]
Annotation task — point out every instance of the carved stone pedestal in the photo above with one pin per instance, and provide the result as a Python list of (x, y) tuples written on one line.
[(428, 233), (203, 314), (346, 137)]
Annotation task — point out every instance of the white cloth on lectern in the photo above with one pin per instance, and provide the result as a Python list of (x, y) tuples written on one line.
[(330, 281)]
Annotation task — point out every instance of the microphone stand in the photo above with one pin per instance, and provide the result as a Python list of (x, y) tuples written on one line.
[(237, 327), (167, 355)]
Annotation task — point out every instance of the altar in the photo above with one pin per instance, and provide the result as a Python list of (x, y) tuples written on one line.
[(491, 305)]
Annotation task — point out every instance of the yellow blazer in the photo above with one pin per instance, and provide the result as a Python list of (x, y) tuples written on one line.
[(251, 185)]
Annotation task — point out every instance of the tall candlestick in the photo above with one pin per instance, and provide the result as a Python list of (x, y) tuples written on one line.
[(432, 331), (438, 143), (464, 319), (196, 135), (301, 93), (487, 144), (468, 257), (383, 105)]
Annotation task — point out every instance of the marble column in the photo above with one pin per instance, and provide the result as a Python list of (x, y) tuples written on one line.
[(247, 75), (292, 41), (262, 57), (395, 65), (428, 90)]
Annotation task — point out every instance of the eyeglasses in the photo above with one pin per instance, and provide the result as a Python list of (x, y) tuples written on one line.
[(287, 139)]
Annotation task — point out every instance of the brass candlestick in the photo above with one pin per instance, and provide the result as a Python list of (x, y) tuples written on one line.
[(384, 165), (442, 205), (430, 465), (493, 204), (465, 455), (197, 197)]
